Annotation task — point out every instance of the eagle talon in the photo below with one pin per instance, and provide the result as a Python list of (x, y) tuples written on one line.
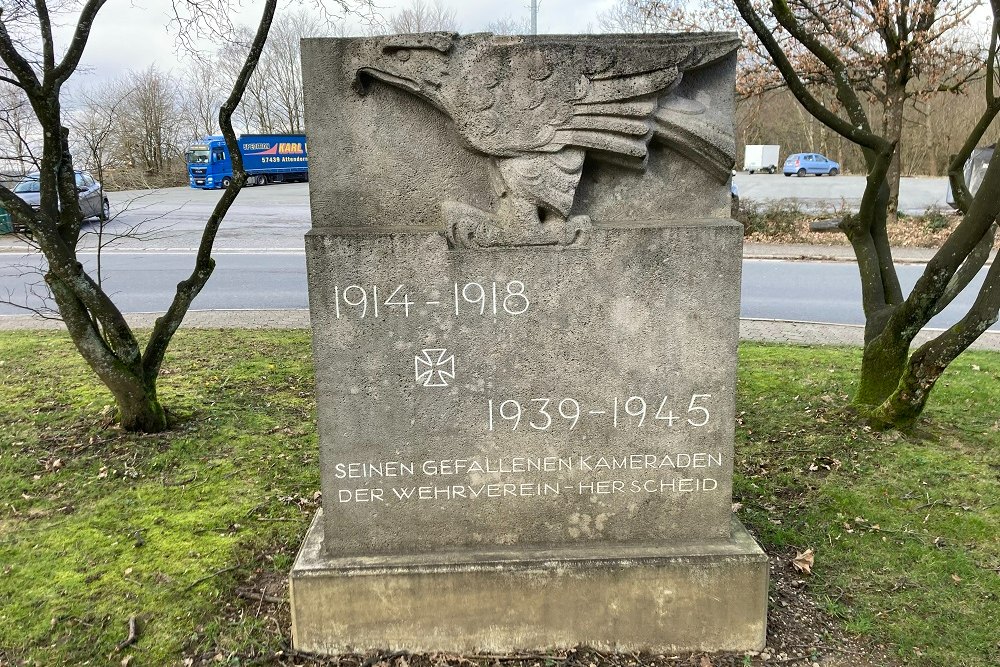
[(470, 227)]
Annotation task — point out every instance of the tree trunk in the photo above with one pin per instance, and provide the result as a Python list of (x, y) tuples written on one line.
[(895, 100), (907, 402), (882, 365), (120, 370), (903, 406), (139, 407)]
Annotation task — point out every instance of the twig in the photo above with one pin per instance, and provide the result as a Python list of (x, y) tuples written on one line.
[(181, 482), (209, 576), (903, 533), (932, 504), (133, 634), (259, 597)]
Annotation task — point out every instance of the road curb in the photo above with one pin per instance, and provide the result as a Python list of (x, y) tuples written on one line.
[(828, 333)]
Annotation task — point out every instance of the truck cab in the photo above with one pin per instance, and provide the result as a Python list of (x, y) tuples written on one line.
[(209, 164)]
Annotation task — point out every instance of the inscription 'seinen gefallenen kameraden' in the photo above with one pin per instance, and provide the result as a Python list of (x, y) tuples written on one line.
[(654, 480)]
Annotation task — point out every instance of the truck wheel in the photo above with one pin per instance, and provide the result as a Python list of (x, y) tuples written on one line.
[(262, 180), (226, 181), (771, 170)]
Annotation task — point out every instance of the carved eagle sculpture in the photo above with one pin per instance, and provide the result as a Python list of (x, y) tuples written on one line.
[(538, 106)]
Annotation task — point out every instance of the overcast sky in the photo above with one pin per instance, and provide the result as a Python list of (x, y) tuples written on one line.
[(132, 34)]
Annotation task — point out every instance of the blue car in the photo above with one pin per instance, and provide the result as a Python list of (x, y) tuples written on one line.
[(801, 164)]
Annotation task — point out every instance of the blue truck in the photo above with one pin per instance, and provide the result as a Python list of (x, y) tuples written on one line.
[(267, 158)]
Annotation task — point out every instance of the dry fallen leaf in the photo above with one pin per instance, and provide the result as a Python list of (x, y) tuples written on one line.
[(705, 662), (737, 507), (803, 562), (957, 579)]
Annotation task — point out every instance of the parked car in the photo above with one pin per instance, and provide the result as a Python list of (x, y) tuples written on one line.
[(801, 164), (93, 202), (975, 170)]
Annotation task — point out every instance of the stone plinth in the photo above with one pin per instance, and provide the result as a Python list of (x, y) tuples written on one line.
[(614, 482), (708, 597)]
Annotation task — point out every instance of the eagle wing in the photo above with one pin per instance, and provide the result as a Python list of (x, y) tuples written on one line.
[(517, 98), (617, 110)]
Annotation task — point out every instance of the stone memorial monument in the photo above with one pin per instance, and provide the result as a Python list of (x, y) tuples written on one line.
[(524, 290)]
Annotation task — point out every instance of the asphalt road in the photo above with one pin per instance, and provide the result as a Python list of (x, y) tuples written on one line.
[(276, 217), (805, 291)]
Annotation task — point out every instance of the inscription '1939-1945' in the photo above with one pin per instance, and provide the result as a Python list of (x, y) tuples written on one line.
[(542, 413)]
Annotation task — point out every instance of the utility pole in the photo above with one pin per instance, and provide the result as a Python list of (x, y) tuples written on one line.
[(534, 17)]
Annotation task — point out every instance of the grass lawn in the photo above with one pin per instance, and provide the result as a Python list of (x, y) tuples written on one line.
[(180, 531)]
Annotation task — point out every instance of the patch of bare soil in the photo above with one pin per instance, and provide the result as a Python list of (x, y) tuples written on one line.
[(799, 634)]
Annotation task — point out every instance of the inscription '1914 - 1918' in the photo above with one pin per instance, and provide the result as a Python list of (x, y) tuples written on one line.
[(481, 298)]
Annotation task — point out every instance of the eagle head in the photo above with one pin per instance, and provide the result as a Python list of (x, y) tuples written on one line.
[(417, 63)]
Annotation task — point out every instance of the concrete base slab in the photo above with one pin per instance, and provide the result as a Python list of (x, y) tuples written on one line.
[(661, 598)]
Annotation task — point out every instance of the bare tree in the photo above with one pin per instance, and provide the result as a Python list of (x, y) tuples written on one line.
[(202, 88), (509, 25), (92, 124), (150, 122), (98, 328), (423, 16), (895, 383), (651, 16), (255, 111), (280, 68), (19, 136)]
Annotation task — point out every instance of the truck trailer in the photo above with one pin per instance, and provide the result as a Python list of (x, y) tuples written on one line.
[(761, 158), (267, 158)]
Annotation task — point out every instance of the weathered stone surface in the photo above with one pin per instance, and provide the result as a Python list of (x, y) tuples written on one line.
[(640, 318), (708, 597), (532, 120)]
